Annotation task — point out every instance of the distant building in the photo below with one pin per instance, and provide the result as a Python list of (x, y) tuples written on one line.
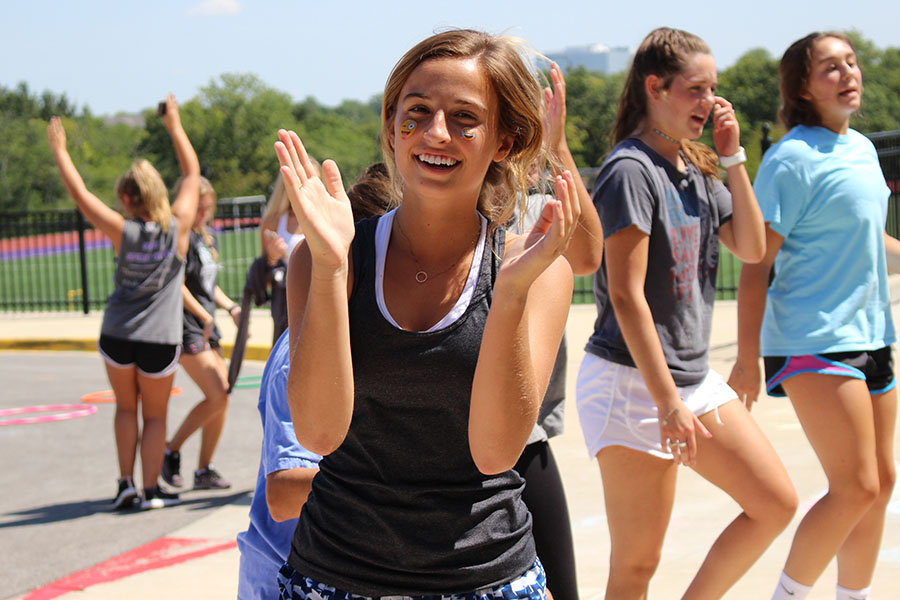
[(595, 57)]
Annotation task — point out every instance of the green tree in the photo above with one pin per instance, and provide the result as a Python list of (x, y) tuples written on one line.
[(591, 103)]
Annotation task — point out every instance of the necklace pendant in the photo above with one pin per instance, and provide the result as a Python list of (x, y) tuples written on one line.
[(421, 276)]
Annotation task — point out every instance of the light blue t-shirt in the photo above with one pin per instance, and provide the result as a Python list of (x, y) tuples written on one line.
[(265, 545), (826, 195)]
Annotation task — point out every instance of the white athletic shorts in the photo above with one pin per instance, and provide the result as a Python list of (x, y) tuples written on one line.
[(615, 407)]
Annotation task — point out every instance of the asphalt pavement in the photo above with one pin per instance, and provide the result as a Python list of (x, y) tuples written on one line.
[(58, 538)]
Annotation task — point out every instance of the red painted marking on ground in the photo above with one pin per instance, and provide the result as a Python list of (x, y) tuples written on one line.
[(158, 554), (107, 396)]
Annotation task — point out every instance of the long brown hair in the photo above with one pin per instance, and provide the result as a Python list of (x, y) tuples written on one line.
[(793, 76), (664, 53), (518, 102)]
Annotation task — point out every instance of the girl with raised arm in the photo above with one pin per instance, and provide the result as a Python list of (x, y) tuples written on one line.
[(422, 340), (201, 352), (141, 332), (826, 318), (646, 397)]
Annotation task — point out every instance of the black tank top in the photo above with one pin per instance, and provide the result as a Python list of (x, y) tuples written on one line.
[(400, 507)]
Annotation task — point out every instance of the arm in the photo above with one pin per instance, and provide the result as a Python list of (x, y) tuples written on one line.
[(752, 289), (288, 466), (94, 210), (745, 233), (320, 380), (223, 301), (522, 332), (585, 251), (892, 251), (287, 490), (193, 306), (184, 207), (626, 263)]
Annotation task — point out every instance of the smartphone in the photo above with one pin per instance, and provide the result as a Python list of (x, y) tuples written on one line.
[(161, 108)]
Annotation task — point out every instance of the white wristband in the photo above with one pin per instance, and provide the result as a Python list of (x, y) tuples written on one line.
[(735, 159)]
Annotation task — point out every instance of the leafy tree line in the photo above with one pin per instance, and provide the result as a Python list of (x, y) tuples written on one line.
[(751, 85), (232, 124)]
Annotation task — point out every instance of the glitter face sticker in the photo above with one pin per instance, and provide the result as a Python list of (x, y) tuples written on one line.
[(468, 134), (406, 128)]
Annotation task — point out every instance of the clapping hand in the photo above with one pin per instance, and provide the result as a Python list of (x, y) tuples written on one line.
[(323, 209), (528, 255), (554, 109)]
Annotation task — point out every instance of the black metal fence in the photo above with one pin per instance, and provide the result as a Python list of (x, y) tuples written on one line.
[(52, 260)]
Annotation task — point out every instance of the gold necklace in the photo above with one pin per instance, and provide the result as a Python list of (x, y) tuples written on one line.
[(421, 275)]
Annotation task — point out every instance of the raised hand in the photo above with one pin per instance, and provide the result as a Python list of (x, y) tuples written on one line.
[(527, 256), (171, 119), (726, 129), (56, 135), (554, 109), (322, 209)]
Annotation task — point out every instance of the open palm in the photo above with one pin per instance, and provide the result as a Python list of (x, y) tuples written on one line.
[(322, 208), (528, 255)]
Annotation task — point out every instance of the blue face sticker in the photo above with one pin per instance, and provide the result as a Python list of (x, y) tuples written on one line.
[(406, 128), (467, 134)]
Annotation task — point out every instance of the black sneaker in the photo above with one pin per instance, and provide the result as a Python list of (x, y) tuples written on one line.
[(210, 479), (126, 495), (157, 498), (171, 469)]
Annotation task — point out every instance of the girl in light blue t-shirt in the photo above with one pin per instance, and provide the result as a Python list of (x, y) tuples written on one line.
[(824, 324)]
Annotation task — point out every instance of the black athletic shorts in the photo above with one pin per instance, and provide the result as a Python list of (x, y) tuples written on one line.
[(156, 360), (875, 367)]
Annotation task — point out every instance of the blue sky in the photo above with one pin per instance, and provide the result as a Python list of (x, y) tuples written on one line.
[(119, 55)]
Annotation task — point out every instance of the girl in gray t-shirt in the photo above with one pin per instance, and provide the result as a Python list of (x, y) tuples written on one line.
[(141, 329), (646, 397)]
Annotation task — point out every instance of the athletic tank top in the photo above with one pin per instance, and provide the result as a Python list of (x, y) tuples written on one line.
[(400, 507), (146, 304)]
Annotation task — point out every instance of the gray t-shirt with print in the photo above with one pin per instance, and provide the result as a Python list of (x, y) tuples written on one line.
[(681, 213), (146, 304)]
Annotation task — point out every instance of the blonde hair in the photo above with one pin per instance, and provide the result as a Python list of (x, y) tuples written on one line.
[(518, 102), (279, 203), (205, 189), (144, 186), (664, 53)]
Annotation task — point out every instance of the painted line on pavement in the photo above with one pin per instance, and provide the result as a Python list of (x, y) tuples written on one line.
[(161, 553)]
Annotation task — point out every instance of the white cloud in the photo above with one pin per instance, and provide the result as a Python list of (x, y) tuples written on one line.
[(216, 8)]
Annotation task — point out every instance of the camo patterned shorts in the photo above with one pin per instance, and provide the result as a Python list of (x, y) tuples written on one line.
[(530, 585)]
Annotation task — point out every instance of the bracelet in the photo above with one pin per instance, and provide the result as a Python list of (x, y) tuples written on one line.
[(665, 419), (232, 307), (735, 159)]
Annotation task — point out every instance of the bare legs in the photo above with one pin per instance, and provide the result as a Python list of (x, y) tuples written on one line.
[(852, 434), (209, 372), (741, 461), (639, 491), (127, 384)]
